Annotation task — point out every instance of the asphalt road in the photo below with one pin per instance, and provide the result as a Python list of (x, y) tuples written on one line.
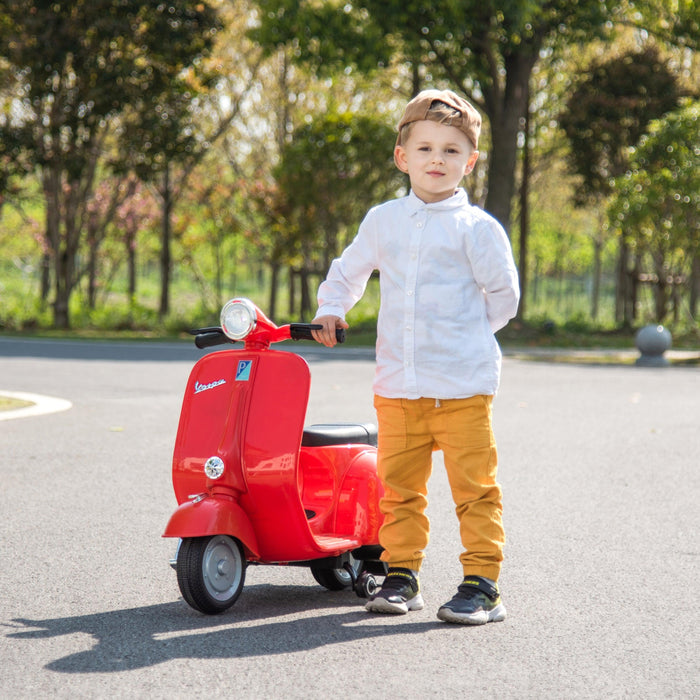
[(599, 466)]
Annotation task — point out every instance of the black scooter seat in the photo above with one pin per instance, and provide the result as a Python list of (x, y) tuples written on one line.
[(339, 434)]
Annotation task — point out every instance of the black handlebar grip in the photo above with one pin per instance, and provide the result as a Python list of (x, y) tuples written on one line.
[(302, 331), (209, 339)]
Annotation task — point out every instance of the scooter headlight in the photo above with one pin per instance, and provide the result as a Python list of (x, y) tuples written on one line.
[(214, 467), (238, 318)]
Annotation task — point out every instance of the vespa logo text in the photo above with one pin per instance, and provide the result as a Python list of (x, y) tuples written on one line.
[(203, 387)]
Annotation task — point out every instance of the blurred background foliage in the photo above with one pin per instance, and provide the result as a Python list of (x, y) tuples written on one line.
[(159, 158)]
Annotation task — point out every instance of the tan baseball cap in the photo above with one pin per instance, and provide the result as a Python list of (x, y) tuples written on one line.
[(469, 121)]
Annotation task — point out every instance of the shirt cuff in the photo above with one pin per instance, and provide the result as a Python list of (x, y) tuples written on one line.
[(330, 310)]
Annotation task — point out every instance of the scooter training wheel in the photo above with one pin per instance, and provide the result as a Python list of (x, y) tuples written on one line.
[(366, 585), (211, 572)]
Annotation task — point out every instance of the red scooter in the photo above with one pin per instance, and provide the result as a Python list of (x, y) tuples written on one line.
[(256, 487)]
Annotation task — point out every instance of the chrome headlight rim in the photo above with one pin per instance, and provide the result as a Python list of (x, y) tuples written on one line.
[(238, 318), (214, 467)]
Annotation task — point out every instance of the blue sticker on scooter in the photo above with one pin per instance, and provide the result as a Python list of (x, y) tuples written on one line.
[(243, 371)]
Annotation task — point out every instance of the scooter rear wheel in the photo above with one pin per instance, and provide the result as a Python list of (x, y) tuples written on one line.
[(211, 572), (336, 579)]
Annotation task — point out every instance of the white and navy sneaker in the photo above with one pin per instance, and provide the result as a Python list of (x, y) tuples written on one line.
[(477, 602), (399, 593)]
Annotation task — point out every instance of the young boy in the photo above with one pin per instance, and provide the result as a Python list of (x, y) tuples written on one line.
[(448, 283)]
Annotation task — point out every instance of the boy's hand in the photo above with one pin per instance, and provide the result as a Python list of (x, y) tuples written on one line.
[(326, 335)]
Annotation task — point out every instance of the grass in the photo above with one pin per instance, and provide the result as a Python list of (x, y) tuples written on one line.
[(557, 317), (8, 404), (362, 332)]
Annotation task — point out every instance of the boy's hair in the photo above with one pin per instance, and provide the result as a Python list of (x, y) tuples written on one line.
[(443, 107)]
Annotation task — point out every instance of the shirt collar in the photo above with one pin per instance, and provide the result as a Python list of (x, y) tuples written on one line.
[(457, 200)]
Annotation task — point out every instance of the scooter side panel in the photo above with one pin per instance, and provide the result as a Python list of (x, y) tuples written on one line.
[(276, 417), (341, 490), (358, 504), (212, 422)]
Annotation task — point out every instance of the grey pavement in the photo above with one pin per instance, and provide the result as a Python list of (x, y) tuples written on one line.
[(600, 470)]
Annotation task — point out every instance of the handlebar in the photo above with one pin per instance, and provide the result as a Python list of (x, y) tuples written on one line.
[(302, 331), (209, 337)]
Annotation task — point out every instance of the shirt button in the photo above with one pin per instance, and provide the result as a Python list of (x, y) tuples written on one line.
[(410, 293), (419, 224)]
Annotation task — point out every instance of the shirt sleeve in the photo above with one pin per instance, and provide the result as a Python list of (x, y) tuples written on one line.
[(495, 272), (347, 277)]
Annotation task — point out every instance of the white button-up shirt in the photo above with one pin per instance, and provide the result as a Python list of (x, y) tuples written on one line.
[(448, 282)]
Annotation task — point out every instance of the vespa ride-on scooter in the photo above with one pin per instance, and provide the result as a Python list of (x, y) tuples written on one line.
[(256, 487)]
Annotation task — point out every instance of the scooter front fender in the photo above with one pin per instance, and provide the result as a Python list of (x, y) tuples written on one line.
[(213, 516)]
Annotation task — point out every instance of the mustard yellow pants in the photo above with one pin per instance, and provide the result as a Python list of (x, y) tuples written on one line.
[(409, 431)]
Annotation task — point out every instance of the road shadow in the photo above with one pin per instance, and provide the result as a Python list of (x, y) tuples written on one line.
[(146, 636)]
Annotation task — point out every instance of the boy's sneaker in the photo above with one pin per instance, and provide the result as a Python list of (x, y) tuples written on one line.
[(399, 593), (477, 602)]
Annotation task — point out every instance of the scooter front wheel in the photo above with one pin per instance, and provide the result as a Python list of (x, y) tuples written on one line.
[(211, 572)]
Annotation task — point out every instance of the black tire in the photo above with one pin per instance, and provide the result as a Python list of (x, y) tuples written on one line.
[(336, 579), (211, 572), (366, 585)]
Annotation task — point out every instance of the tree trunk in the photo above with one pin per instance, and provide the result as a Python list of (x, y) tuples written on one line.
[(45, 276), (598, 243), (219, 269), (622, 288), (292, 292), (131, 265), (59, 246), (506, 106), (661, 296), (66, 201), (305, 295), (694, 285), (92, 272), (597, 272), (274, 278), (634, 281), (165, 262), (51, 187), (61, 315), (524, 216)]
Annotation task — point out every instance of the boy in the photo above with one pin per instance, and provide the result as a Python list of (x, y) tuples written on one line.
[(448, 283)]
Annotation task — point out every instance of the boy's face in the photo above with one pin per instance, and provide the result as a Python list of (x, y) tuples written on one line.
[(436, 158)]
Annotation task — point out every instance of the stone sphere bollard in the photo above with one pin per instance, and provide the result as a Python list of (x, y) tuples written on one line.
[(652, 342)]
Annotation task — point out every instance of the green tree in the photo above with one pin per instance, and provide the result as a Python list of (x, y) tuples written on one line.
[(674, 22), (608, 111), (195, 112), (329, 174), (77, 66), (656, 203), (486, 49), (606, 114)]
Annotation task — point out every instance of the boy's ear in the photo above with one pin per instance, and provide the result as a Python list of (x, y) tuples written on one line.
[(400, 159), (471, 162)]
